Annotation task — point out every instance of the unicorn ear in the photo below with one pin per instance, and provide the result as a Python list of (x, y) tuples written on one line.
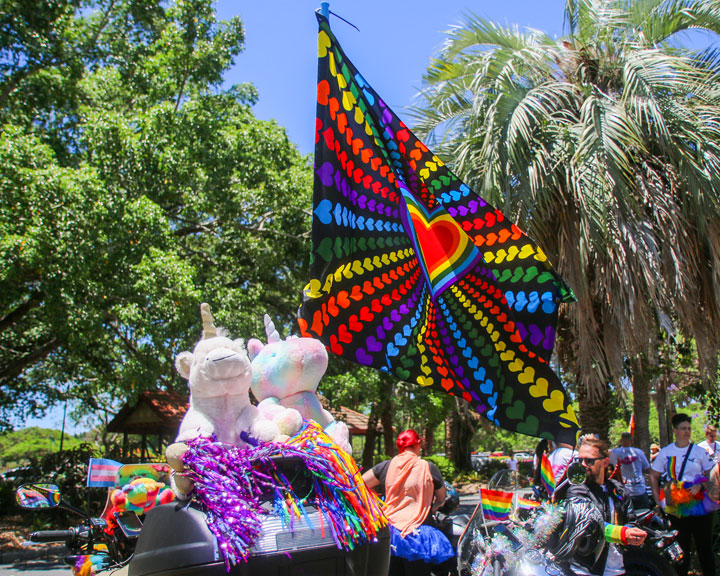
[(253, 347), (272, 334), (183, 363), (209, 330)]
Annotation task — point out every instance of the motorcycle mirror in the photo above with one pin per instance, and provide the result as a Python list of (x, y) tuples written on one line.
[(576, 473), (36, 496)]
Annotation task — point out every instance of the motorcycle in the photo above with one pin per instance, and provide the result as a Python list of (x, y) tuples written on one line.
[(660, 541), (175, 540), (90, 543), (524, 545)]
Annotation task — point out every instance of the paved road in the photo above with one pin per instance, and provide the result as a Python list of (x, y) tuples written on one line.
[(35, 568), (55, 567)]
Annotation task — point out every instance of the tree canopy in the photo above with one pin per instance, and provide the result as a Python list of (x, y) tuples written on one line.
[(133, 186)]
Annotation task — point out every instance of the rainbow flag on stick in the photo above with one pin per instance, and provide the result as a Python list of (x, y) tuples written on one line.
[(526, 503), (495, 504), (547, 477)]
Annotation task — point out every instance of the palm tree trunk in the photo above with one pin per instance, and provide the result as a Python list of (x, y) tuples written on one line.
[(386, 419), (451, 433), (428, 439), (641, 404), (664, 410), (594, 411), (370, 437)]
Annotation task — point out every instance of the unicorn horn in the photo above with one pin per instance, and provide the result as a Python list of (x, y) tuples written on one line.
[(272, 334), (209, 330)]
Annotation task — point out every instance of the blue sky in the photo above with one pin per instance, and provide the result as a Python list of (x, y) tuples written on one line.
[(396, 41)]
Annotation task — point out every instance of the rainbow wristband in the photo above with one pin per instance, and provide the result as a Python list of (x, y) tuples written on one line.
[(616, 534)]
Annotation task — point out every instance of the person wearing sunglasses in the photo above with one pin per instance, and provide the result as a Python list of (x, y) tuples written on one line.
[(684, 468), (607, 496)]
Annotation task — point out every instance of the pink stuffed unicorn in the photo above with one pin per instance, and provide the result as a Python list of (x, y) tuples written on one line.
[(286, 374)]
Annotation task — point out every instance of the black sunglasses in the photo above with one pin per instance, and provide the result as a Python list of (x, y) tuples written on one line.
[(587, 461)]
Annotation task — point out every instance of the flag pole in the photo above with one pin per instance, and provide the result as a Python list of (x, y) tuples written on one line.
[(325, 10)]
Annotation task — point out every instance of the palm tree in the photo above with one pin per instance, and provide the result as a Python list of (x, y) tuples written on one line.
[(605, 144)]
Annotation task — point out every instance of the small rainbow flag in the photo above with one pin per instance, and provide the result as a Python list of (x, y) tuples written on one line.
[(495, 504), (672, 469), (526, 503), (546, 475)]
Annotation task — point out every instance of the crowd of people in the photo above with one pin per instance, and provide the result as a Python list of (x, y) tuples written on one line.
[(684, 480)]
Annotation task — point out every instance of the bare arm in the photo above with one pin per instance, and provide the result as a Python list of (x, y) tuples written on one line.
[(713, 484), (371, 481), (655, 484), (439, 498)]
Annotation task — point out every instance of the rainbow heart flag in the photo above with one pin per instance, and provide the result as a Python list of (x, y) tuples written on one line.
[(414, 274), (495, 504), (547, 476)]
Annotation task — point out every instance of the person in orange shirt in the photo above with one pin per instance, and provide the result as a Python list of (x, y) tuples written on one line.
[(414, 490)]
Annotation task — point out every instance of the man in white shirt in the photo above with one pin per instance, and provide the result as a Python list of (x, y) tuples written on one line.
[(512, 463), (633, 465), (711, 446)]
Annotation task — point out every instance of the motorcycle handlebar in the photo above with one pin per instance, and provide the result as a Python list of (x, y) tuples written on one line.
[(52, 535)]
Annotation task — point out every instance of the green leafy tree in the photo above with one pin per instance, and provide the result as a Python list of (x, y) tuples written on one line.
[(132, 188), (32, 444), (604, 144)]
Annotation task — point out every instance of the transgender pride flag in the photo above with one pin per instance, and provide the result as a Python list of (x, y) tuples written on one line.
[(102, 472)]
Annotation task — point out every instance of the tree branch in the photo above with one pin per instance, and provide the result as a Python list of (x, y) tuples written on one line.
[(125, 340), (11, 317), (16, 367)]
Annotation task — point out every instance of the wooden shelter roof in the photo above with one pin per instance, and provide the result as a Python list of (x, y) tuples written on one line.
[(357, 423), (155, 412)]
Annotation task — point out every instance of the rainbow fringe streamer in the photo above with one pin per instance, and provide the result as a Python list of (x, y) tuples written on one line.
[(686, 504), (229, 481), (354, 512), (90, 564)]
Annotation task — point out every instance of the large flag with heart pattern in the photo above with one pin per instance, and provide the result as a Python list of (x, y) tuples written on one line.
[(415, 274)]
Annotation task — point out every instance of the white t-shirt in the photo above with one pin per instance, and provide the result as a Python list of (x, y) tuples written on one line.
[(713, 449), (698, 462), (632, 463), (512, 464), (559, 460)]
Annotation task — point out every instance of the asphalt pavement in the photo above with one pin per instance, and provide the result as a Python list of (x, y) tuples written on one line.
[(51, 567)]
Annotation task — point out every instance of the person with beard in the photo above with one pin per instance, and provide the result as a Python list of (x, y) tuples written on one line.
[(607, 496)]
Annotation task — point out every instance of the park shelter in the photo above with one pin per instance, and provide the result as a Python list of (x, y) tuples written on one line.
[(155, 418)]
